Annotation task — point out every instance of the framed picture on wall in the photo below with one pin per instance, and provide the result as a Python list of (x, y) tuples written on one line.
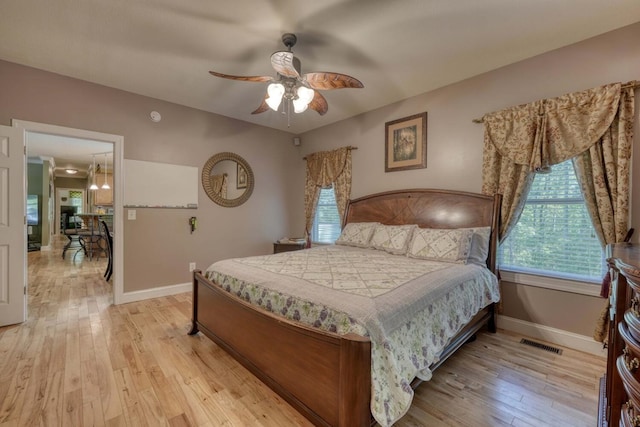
[(406, 143), (241, 181)]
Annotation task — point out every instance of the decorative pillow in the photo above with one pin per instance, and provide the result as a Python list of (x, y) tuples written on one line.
[(479, 245), (447, 245), (392, 238), (357, 234)]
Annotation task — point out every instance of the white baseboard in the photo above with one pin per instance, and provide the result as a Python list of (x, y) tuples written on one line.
[(155, 292), (556, 336)]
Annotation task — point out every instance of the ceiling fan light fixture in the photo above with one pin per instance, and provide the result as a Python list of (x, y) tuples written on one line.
[(275, 91), (301, 102), (299, 106), (300, 91)]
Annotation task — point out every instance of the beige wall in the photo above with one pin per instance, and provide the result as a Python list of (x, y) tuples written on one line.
[(454, 144), (158, 245)]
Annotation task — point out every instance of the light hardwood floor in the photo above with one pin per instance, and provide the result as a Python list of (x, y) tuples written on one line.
[(80, 361)]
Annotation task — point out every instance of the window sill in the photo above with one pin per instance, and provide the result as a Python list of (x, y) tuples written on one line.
[(554, 283)]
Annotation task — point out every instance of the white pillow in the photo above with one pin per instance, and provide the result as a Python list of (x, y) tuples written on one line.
[(479, 245), (357, 234), (446, 245), (392, 238)]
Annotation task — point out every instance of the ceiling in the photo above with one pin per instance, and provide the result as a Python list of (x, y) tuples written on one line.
[(69, 153), (165, 48)]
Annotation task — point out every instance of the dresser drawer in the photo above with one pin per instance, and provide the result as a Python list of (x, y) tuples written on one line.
[(631, 351), (631, 385), (632, 319), (631, 273), (629, 416)]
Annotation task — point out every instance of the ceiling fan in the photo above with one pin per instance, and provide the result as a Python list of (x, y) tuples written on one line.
[(298, 90)]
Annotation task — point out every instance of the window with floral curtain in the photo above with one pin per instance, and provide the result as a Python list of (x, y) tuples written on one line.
[(594, 128), (327, 169)]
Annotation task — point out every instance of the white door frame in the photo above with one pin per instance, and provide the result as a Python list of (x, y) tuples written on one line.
[(118, 150)]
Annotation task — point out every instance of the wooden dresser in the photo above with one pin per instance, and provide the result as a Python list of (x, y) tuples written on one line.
[(620, 387)]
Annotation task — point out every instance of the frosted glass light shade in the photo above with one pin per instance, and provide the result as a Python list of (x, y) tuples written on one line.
[(305, 95), (275, 91)]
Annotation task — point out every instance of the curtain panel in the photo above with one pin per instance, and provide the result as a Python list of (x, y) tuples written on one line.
[(327, 169)]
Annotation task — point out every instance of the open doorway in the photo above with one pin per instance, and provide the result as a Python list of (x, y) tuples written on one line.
[(62, 145)]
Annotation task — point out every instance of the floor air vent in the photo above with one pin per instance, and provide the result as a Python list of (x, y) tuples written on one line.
[(542, 346)]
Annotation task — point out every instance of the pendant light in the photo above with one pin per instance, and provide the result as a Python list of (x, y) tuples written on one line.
[(93, 184), (105, 186)]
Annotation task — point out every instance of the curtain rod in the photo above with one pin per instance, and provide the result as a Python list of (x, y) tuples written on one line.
[(351, 147), (633, 83)]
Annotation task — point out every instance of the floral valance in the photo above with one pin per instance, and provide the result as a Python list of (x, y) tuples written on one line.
[(549, 131), (324, 167)]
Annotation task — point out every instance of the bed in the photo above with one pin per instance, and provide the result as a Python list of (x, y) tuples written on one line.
[(329, 374)]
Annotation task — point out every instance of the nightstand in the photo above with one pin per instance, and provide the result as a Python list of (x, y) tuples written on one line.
[(287, 247)]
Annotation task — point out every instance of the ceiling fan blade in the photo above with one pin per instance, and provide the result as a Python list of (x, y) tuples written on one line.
[(319, 103), (327, 81), (286, 64), (263, 107), (243, 78)]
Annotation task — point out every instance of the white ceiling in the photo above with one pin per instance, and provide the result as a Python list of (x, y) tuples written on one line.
[(165, 48), (69, 153)]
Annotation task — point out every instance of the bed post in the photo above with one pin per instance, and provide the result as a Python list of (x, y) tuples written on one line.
[(491, 323), (492, 262), (194, 317), (355, 382)]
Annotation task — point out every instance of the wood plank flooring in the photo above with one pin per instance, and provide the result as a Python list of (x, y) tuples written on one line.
[(80, 361)]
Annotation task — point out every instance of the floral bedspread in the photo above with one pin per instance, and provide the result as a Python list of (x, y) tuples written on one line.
[(409, 308)]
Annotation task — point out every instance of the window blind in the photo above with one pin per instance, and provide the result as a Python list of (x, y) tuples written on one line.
[(327, 224), (554, 235)]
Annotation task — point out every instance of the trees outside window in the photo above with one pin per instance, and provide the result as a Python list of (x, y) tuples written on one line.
[(554, 235)]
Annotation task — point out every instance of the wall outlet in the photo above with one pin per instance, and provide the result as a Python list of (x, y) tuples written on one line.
[(192, 266)]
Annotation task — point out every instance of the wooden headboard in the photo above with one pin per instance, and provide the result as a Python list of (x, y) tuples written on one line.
[(430, 209)]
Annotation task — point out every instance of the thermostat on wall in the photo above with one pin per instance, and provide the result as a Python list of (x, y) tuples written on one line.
[(155, 116)]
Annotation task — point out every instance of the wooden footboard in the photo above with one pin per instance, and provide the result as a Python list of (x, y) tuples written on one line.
[(327, 377)]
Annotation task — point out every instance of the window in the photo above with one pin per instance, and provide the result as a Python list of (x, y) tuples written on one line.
[(554, 236), (326, 224), (76, 199)]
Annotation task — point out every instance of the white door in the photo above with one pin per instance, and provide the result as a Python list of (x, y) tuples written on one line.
[(13, 253)]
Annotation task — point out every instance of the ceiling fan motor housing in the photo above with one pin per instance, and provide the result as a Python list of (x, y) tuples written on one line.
[(289, 40)]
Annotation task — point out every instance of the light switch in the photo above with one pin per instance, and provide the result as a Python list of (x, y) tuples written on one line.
[(132, 214)]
